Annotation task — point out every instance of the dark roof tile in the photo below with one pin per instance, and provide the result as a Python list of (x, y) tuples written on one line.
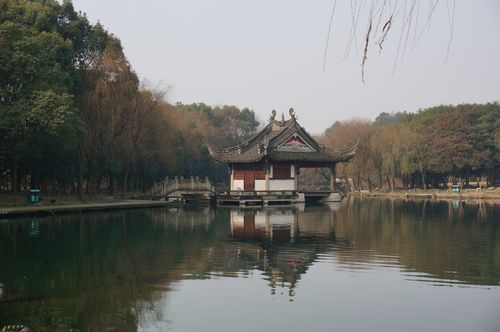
[(266, 145)]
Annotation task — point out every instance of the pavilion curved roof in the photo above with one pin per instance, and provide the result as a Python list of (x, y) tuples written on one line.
[(281, 141)]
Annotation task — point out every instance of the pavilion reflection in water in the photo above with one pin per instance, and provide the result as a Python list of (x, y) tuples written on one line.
[(282, 243), (282, 224)]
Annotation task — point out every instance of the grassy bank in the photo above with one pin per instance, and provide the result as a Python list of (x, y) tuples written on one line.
[(466, 194), (37, 210), (8, 200)]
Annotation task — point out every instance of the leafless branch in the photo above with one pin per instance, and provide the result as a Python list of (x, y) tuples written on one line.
[(451, 20), (328, 34)]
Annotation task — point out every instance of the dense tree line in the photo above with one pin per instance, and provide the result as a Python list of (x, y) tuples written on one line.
[(74, 116), (427, 149)]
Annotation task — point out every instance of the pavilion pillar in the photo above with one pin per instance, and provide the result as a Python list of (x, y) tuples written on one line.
[(268, 167), (333, 177), (296, 177), (231, 179)]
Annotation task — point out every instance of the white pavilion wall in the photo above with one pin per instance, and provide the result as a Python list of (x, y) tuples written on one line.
[(236, 184), (288, 184), (260, 185)]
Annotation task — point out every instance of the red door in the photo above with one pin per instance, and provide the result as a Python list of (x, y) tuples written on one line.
[(249, 180)]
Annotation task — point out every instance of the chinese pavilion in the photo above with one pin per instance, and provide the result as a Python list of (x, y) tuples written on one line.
[(271, 160)]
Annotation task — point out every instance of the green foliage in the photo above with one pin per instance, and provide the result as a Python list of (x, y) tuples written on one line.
[(388, 118), (238, 124), (38, 118), (198, 124), (72, 113), (55, 116), (427, 147)]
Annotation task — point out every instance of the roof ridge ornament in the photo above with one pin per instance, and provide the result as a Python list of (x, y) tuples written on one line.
[(273, 116), (292, 114)]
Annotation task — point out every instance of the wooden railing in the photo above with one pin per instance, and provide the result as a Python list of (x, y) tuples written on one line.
[(192, 184)]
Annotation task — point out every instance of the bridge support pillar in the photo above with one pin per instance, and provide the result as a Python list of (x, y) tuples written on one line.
[(301, 198), (333, 197)]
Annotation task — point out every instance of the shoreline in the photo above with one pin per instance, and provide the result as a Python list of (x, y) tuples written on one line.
[(37, 210), (490, 196), (466, 195)]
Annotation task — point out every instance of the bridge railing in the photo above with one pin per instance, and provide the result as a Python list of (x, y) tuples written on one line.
[(169, 185)]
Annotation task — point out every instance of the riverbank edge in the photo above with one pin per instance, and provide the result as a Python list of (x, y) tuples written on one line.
[(23, 211), (493, 196)]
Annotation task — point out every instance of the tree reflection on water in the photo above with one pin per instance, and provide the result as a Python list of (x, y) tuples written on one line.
[(115, 270)]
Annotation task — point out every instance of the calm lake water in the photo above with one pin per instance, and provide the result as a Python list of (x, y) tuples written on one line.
[(361, 265)]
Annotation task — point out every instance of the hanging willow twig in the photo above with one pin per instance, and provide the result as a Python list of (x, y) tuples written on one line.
[(451, 20), (365, 52), (385, 31), (328, 34), (383, 17)]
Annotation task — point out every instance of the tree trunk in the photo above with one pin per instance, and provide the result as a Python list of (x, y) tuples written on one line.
[(92, 185), (80, 174), (435, 181), (125, 180), (423, 179), (33, 177), (405, 181), (111, 184), (348, 184), (421, 171), (14, 180)]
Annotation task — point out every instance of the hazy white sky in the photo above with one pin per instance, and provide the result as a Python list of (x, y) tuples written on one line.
[(269, 55)]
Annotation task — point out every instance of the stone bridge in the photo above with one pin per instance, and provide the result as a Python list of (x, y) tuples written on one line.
[(181, 190)]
